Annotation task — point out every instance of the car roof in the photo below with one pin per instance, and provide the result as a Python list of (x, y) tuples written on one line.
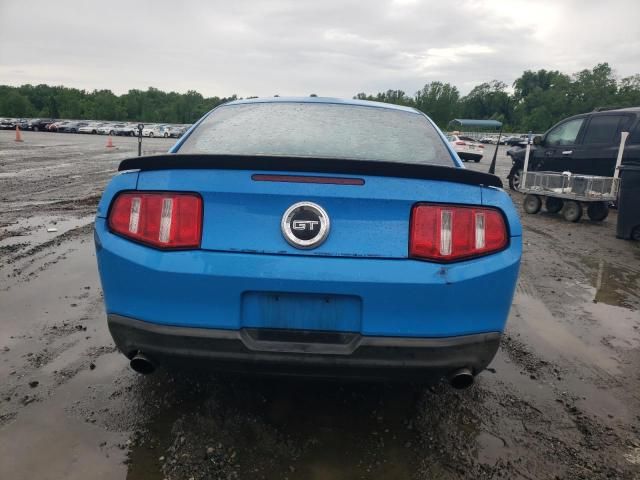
[(628, 109), (327, 100), (600, 112)]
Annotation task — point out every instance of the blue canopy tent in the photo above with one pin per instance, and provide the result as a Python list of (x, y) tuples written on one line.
[(484, 125)]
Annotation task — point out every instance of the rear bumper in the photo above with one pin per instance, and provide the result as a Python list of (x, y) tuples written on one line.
[(302, 352), (388, 297)]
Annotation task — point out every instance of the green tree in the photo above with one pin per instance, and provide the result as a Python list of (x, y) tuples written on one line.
[(441, 101), (489, 100), (16, 105), (593, 88), (629, 91)]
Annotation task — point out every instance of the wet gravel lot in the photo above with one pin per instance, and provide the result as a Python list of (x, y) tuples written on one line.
[(561, 399)]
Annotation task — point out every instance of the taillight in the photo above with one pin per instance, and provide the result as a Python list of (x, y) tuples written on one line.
[(162, 220), (449, 232), (460, 143)]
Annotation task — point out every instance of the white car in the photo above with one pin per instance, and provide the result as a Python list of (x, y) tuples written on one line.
[(130, 129), (155, 131), (90, 128), (177, 131), (466, 147), (108, 128)]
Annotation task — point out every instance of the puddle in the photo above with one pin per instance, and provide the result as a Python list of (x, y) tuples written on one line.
[(46, 440), (34, 230), (276, 428), (618, 327), (611, 298), (364, 432), (614, 284), (554, 339)]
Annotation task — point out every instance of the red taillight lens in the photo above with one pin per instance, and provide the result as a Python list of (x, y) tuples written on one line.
[(460, 143), (162, 220), (449, 232)]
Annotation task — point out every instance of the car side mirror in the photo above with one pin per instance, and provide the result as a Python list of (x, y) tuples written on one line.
[(537, 140)]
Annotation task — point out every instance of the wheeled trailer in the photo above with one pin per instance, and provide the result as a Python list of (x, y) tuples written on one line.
[(569, 192)]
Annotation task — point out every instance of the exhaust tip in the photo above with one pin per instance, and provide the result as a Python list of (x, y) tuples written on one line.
[(141, 364), (461, 379)]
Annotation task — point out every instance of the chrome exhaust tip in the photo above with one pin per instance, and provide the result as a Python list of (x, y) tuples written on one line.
[(461, 379), (141, 364)]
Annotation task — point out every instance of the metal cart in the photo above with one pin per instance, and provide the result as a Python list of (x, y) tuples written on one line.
[(568, 192)]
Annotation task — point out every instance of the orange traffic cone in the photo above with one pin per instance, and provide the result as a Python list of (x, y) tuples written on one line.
[(18, 135), (110, 143)]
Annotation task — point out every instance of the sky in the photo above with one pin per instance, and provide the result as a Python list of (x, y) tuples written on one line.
[(298, 47)]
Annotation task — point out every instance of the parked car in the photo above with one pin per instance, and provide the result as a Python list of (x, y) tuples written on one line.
[(163, 131), (12, 123), (71, 127), (177, 131), (466, 148), (91, 127), (129, 130), (148, 128), (155, 131), (584, 144), (8, 124), (40, 124), (55, 125), (107, 128), (268, 240), (514, 140)]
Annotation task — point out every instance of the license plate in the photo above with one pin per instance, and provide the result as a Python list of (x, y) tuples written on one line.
[(301, 311)]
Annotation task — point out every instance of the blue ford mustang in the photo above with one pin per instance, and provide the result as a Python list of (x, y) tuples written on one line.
[(309, 236)]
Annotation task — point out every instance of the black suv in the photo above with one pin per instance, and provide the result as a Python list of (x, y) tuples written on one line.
[(586, 144)]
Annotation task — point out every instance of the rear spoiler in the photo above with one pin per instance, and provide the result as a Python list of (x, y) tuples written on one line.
[(309, 165)]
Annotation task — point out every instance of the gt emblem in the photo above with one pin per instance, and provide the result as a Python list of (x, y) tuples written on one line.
[(305, 225)]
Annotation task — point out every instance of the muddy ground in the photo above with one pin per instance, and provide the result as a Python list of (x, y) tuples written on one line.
[(561, 399)]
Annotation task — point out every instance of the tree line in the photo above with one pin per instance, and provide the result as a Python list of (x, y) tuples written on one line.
[(151, 105), (537, 100)]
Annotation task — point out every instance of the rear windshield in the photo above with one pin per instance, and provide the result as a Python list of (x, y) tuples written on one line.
[(319, 130)]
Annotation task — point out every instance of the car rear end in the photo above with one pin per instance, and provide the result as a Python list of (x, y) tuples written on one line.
[(88, 128), (392, 263), (467, 148)]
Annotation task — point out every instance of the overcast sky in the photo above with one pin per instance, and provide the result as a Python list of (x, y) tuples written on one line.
[(297, 47)]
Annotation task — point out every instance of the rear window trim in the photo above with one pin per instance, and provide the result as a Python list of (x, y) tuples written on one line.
[(264, 163)]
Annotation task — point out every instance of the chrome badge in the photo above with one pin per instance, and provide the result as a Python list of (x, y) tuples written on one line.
[(305, 225)]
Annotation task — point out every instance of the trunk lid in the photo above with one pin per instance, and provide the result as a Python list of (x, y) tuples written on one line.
[(244, 214)]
